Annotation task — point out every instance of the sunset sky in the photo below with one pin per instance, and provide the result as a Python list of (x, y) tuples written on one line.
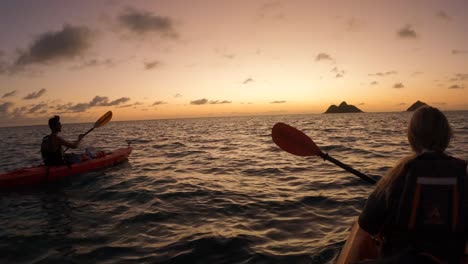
[(195, 58)]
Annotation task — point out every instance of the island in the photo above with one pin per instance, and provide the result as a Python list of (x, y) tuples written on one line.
[(415, 106), (343, 108)]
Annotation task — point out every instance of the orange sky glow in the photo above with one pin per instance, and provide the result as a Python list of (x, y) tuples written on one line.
[(177, 59)]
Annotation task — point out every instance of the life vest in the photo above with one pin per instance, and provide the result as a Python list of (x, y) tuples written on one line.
[(432, 210), (51, 153)]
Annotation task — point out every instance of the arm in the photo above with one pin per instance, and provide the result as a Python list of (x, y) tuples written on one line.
[(68, 144), (374, 214), (360, 245)]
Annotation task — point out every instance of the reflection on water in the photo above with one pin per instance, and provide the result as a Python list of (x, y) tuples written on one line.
[(213, 190)]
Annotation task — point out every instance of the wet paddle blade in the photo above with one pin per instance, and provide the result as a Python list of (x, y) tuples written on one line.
[(104, 119), (293, 140)]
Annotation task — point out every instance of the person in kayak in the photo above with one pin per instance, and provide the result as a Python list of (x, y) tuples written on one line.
[(51, 146), (418, 212)]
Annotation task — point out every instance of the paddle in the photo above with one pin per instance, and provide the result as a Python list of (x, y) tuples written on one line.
[(99, 123), (297, 143)]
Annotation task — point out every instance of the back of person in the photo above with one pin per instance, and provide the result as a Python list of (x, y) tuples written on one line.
[(419, 208), (428, 210), (51, 151)]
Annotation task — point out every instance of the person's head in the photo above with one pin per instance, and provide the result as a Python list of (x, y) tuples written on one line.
[(54, 124), (429, 130)]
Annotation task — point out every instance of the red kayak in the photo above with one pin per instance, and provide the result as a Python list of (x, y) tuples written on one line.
[(42, 174)]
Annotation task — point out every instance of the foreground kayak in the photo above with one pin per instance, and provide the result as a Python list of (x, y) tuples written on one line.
[(43, 174), (359, 246)]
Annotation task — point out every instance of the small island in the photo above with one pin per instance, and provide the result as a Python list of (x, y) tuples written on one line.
[(415, 106), (343, 108)]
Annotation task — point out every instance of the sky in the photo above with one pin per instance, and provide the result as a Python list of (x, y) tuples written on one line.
[(200, 58)]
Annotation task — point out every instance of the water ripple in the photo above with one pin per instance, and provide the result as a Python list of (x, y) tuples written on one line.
[(210, 190)]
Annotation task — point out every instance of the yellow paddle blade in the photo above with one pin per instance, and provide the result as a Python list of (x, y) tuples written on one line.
[(104, 119)]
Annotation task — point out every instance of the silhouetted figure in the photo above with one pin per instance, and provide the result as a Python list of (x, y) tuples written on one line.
[(51, 147), (419, 210)]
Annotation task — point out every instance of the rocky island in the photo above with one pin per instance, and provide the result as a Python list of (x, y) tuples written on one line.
[(415, 106), (343, 108)]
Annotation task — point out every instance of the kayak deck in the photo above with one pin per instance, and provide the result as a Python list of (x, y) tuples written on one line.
[(42, 174)]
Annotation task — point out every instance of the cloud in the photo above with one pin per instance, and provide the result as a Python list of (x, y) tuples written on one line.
[(35, 95), (219, 102), (95, 63), (80, 107), (125, 106), (129, 105), (199, 102), (416, 73), (338, 73), (9, 94), (205, 101), (407, 32), (271, 10), (398, 85), (177, 95), (143, 23), (159, 103), (19, 112), (383, 74), (40, 108), (278, 102), (52, 46), (225, 54), (443, 15), (152, 64), (374, 83), (117, 101), (459, 77), (104, 101), (456, 86), (248, 80), (323, 56), (96, 101), (456, 52), (5, 107), (63, 107)]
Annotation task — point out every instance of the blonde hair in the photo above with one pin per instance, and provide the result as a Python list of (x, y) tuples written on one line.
[(428, 129)]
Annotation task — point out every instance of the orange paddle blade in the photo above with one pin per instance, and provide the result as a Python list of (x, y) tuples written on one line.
[(293, 140), (104, 119)]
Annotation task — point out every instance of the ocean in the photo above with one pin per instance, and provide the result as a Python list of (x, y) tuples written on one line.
[(206, 190)]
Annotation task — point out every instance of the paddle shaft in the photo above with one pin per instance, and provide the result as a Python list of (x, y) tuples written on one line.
[(347, 168), (87, 132)]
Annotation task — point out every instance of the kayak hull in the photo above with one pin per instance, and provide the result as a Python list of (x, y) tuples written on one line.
[(359, 246), (42, 174)]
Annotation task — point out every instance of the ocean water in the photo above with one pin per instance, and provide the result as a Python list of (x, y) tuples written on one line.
[(208, 190)]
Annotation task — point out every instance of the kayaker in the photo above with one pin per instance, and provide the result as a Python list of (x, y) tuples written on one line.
[(419, 209), (51, 147)]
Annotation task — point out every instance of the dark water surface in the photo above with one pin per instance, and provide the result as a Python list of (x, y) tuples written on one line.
[(212, 190)]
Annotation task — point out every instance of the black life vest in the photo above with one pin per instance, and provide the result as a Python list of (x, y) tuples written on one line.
[(51, 153), (432, 209)]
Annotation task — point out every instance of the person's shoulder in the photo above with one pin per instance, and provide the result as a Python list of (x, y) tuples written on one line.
[(58, 138)]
